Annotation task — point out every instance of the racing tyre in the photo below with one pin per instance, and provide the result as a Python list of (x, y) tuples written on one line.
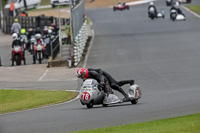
[(127, 7), (17, 59), (90, 105), (114, 9), (135, 101), (105, 105)]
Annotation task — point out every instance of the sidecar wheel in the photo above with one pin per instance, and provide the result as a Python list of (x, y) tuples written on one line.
[(135, 101), (105, 105), (90, 105)]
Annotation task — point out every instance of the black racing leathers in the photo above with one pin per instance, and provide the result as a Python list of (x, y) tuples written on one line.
[(16, 42), (116, 85), (100, 79)]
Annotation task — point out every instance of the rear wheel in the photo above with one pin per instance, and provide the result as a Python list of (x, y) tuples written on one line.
[(135, 101)]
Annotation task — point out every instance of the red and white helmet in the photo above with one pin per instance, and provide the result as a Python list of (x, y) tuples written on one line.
[(82, 73)]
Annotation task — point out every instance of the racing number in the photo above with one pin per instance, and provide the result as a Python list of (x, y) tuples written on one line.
[(85, 96)]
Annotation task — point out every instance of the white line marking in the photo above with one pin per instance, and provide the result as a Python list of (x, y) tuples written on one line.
[(43, 75)]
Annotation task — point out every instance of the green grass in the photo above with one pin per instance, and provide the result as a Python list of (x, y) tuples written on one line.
[(194, 8), (15, 100), (183, 124)]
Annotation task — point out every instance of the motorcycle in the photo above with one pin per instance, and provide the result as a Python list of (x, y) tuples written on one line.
[(17, 55), (47, 42), (24, 41), (173, 14), (152, 13), (39, 52), (31, 44), (92, 94), (169, 2)]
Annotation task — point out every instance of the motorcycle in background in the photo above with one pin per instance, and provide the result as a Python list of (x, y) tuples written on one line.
[(152, 13), (32, 42), (24, 41), (18, 55), (39, 51)]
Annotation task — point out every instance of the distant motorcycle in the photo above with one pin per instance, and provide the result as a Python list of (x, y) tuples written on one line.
[(92, 94), (39, 52), (169, 2), (173, 14), (152, 13), (120, 7), (47, 42), (24, 41), (18, 55), (31, 44)]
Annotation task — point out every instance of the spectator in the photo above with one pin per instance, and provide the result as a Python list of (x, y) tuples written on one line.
[(11, 11)]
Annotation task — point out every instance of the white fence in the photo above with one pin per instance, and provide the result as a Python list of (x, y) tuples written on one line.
[(80, 43)]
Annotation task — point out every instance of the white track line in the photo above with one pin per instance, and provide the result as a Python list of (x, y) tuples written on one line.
[(43, 75)]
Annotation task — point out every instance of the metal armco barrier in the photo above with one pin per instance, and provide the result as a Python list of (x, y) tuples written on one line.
[(55, 47)]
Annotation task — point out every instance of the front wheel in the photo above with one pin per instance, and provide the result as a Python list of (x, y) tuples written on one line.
[(90, 105), (105, 105), (17, 59), (127, 7), (135, 101)]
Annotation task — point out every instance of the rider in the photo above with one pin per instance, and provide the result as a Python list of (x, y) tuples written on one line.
[(179, 11), (45, 32), (38, 41), (83, 73), (116, 85), (16, 27), (23, 36), (151, 4), (29, 35), (17, 42)]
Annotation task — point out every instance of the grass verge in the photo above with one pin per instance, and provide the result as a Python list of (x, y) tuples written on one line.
[(15, 100), (194, 8), (183, 124)]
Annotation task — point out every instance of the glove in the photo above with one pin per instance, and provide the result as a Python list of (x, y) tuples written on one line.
[(101, 85)]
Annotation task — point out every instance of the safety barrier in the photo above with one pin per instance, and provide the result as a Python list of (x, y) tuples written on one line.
[(80, 43), (55, 47)]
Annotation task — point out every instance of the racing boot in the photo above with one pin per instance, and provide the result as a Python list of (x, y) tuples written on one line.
[(105, 100), (126, 99), (12, 63), (132, 82)]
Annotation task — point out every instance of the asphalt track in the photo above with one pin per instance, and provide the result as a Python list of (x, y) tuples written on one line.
[(161, 55)]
